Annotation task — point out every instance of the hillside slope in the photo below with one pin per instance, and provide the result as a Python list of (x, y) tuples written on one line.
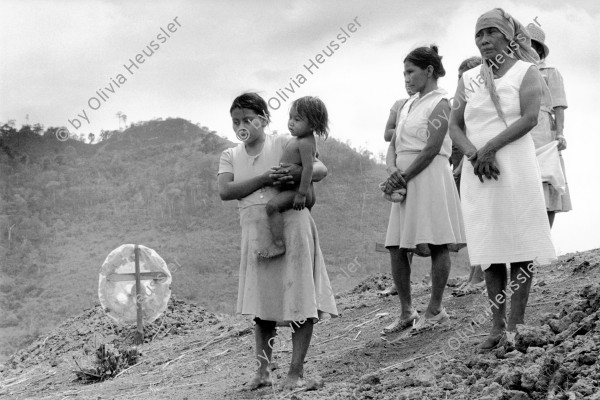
[(65, 205), (556, 355)]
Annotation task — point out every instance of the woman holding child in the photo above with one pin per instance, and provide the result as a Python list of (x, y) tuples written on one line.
[(429, 219), (496, 105), (292, 288)]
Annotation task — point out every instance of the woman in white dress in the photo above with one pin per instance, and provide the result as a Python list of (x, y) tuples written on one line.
[(495, 107), (428, 221)]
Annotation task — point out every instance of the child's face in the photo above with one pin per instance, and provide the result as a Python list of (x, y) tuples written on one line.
[(247, 124), (298, 125)]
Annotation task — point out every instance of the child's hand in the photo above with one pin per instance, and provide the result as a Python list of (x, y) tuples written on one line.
[(299, 201)]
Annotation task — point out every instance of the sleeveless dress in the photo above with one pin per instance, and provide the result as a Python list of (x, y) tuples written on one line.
[(505, 220), (292, 287), (431, 212), (545, 133), (397, 106)]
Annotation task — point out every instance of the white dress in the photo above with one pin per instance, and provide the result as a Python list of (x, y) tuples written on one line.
[(505, 220), (292, 287), (431, 213)]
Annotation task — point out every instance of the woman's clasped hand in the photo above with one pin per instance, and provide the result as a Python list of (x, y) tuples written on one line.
[(395, 181), (484, 163)]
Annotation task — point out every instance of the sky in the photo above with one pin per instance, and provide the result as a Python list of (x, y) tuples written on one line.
[(73, 64)]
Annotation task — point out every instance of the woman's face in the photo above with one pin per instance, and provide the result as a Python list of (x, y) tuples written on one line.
[(247, 123), (491, 42), (416, 78)]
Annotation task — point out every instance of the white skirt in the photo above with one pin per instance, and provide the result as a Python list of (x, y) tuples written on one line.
[(431, 212), (506, 220), (291, 287)]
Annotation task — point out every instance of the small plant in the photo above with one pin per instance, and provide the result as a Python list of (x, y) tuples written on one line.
[(109, 362)]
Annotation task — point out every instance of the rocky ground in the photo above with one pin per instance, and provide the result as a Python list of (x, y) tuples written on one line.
[(192, 354)]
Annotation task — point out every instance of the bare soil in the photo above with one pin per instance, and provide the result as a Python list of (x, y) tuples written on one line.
[(193, 354)]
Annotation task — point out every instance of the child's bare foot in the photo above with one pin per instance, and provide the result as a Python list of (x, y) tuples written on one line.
[(274, 250), (260, 380), (293, 382)]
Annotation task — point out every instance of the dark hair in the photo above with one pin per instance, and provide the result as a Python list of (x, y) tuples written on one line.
[(314, 110), (423, 57), (254, 102), (469, 63), (539, 49)]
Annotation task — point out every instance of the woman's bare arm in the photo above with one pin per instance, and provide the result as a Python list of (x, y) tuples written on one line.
[(290, 173), (437, 127), (390, 158), (530, 94), (559, 114), (229, 190), (457, 122), (390, 126), (319, 171), (436, 130)]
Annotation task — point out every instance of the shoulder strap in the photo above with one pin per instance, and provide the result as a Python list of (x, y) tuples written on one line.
[(400, 110)]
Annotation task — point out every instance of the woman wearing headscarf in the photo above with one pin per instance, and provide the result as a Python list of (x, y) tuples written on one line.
[(548, 136), (494, 108)]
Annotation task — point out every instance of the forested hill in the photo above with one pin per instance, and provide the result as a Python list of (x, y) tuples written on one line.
[(64, 205)]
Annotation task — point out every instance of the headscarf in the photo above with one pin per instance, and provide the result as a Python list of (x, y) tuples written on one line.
[(514, 32)]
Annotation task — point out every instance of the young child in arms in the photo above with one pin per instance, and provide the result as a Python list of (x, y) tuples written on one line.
[(308, 116)]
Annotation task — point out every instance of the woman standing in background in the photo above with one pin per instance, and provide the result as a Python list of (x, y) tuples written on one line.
[(475, 283), (551, 122), (388, 133)]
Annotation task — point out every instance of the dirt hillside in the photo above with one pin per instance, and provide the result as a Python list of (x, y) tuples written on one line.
[(193, 354)]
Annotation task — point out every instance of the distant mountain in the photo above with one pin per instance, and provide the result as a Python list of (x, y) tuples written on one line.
[(171, 130), (136, 136)]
